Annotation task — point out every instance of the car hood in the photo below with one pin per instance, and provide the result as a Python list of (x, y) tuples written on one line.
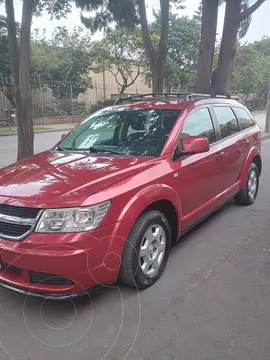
[(62, 179)]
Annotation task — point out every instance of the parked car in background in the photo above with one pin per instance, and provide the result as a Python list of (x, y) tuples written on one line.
[(110, 198)]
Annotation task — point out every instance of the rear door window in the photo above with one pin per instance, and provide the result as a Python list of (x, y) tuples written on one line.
[(244, 119), (227, 121)]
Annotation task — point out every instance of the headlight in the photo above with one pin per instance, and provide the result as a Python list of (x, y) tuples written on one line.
[(72, 219)]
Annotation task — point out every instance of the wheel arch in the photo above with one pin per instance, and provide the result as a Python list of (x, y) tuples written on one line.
[(257, 160), (155, 197), (253, 156), (168, 209)]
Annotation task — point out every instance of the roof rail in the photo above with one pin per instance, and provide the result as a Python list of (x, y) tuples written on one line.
[(151, 97), (173, 96), (193, 96)]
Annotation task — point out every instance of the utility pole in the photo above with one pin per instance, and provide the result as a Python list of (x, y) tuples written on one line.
[(267, 120)]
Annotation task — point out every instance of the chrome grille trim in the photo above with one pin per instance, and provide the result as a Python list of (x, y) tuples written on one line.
[(16, 220), (19, 221)]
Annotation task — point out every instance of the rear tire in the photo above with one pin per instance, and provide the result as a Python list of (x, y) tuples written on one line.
[(146, 251), (248, 195)]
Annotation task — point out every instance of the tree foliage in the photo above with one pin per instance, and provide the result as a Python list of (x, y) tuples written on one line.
[(5, 68), (183, 43), (252, 68), (56, 8), (262, 46), (120, 53), (236, 23), (19, 50), (129, 13), (246, 74), (106, 12), (63, 58)]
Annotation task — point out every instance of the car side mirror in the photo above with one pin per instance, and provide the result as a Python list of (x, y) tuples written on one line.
[(192, 145)]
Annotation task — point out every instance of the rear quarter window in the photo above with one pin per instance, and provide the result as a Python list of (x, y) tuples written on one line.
[(244, 119)]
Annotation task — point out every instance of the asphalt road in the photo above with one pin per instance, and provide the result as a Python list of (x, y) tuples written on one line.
[(212, 302), (8, 146)]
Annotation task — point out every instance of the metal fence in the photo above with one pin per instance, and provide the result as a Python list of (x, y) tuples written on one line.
[(256, 104), (57, 98)]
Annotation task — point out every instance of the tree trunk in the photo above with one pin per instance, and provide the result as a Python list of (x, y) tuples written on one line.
[(250, 10), (222, 75), (161, 56), (207, 46), (157, 72), (233, 17), (157, 81), (123, 88), (157, 58), (25, 123), (8, 91), (12, 42), (13, 54)]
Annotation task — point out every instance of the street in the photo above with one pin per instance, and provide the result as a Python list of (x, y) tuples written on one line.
[(212, 302), (8, 146)]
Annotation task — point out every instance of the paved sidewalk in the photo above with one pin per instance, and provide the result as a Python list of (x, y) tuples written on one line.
[(260, 118)]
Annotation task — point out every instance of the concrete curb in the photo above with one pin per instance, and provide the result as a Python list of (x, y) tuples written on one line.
[(42, 132)]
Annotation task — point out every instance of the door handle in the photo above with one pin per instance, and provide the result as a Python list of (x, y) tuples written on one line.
[(219, 155)]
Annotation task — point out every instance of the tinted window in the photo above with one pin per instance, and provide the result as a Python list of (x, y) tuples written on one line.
[(227, 121), (244, 119), (128, 131), (199, 124)]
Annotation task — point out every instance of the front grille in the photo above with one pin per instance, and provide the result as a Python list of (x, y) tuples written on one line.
[(13, 230), (49, 279), (19, 211), (12, 268), (16, 221)]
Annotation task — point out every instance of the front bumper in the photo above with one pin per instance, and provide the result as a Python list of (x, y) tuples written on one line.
[(86, 260), (45, 296)]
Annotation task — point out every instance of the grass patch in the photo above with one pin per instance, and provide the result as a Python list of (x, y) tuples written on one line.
[(37, 129)]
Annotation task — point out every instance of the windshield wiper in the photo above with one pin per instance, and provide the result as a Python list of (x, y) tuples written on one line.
[(61, 148), (102, 150), (92, 149)]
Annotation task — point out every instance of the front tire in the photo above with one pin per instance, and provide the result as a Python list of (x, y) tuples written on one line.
[(146, 251), (248, 195)]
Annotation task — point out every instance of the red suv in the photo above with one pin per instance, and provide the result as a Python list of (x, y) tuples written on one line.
[(109, 199)]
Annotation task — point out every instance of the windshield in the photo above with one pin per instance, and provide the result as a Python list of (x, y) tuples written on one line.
[(123, 131)]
